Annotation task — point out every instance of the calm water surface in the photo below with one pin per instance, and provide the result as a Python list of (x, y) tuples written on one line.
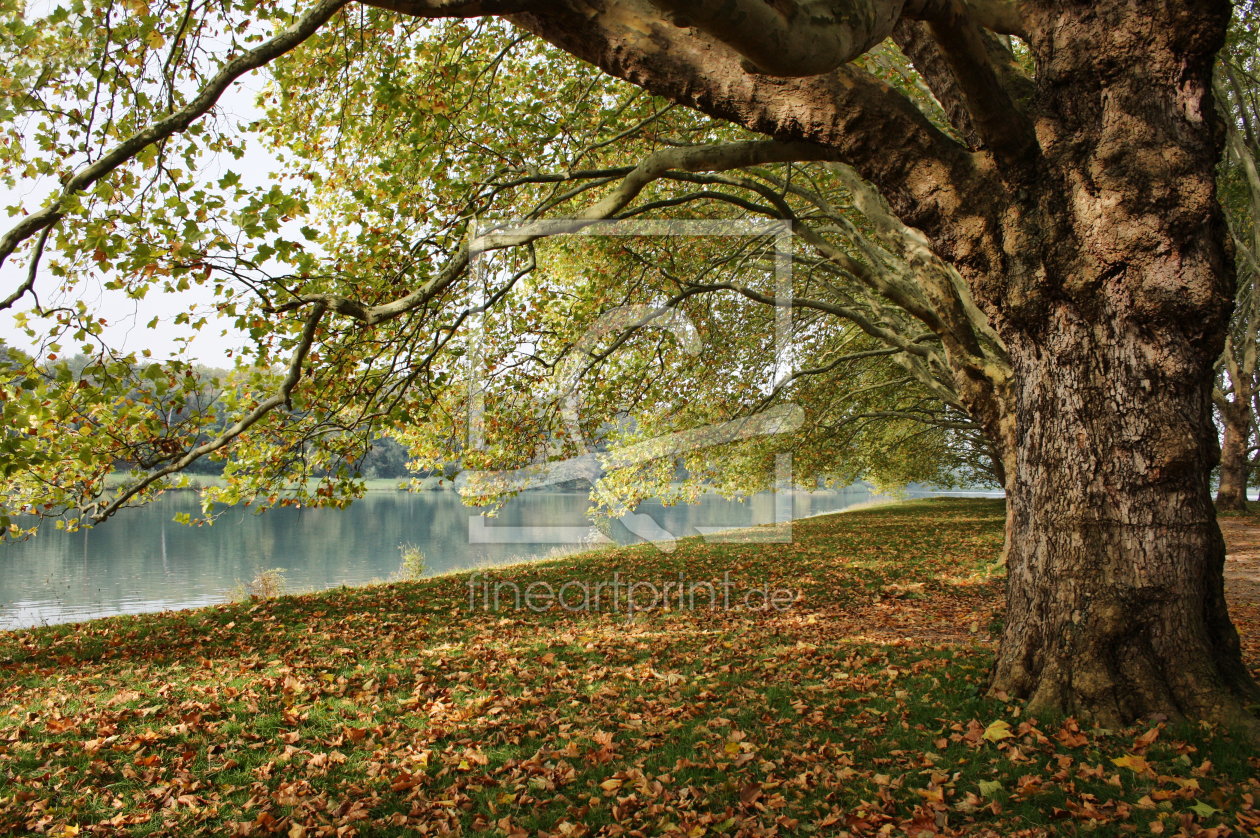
[(143, 561)]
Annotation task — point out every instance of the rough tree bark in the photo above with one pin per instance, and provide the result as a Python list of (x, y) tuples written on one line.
[(1115, 589), (1235, 398), (1082, 215)]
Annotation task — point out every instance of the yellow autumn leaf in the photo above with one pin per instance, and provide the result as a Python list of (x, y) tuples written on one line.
[(1133, 763), (932, 795), (732, 747), (997, 731)]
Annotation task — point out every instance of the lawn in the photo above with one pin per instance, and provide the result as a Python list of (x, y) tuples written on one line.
[(401, 710)]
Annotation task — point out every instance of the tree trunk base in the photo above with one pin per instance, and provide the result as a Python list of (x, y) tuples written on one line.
[(1128, 653), (1121, 685), (1231, 501)]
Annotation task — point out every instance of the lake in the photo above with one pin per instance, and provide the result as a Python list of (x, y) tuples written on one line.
[(143, 561)]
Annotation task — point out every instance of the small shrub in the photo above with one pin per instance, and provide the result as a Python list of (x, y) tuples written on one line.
[(412, 566), (267, 584)]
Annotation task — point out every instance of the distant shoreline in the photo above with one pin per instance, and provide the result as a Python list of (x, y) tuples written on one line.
[(197, 482)]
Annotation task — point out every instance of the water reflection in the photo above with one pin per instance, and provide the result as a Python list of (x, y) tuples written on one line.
[(142, 561)]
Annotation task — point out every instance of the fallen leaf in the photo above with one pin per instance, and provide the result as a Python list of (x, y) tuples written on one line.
[(998, 731), (1144, 741), (1203, 810), (1133, 763)]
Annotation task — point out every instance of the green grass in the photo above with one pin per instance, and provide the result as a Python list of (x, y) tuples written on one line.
[(397, 710), (1251, 517)]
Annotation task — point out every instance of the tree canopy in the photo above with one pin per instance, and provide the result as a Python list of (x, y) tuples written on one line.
[(397, 135)]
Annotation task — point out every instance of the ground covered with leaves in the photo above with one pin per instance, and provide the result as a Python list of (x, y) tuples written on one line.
[(401, 710)]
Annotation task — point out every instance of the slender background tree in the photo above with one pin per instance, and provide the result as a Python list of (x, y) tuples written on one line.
[(1238, 87)]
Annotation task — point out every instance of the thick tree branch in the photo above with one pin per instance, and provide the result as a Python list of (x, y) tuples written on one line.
[(914, 39), (998, 120), (930, 179), (967, 327), (1001, 16), (790, 37)]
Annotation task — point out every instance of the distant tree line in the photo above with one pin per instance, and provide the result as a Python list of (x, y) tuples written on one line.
[(384, 457)]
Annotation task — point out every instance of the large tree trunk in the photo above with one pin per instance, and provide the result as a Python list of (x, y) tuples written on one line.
[(1232, 492), (1115, 593)]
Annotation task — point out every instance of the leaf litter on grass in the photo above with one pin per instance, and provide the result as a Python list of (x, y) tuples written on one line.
[(397, 710)]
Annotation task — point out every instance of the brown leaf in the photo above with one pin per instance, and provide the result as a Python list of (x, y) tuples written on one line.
[(60, 725), (1144, 741), (750, 794)]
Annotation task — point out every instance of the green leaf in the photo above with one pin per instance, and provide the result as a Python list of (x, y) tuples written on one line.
[(1202, 809), (988, 788)]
